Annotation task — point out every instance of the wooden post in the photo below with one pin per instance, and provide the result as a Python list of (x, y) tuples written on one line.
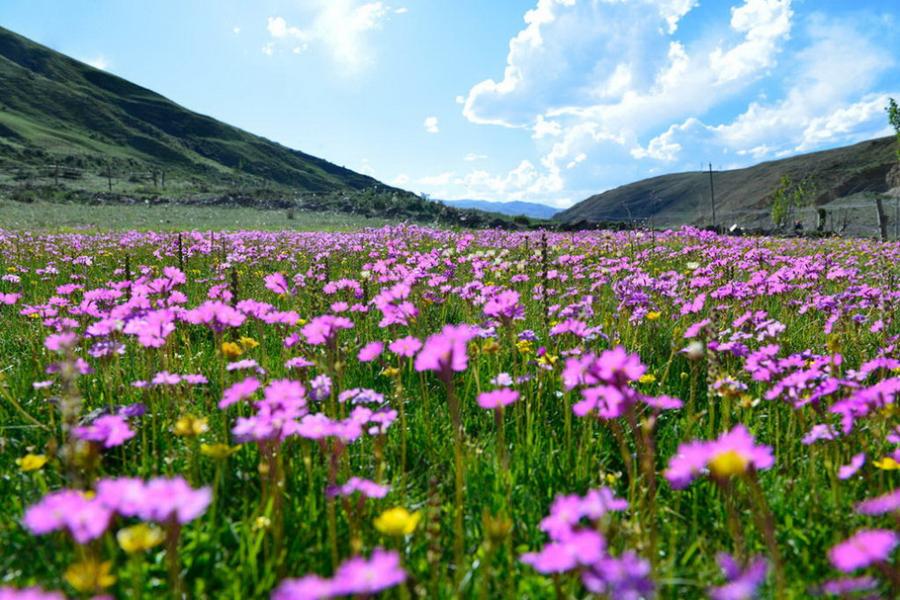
[(109, 177), (712, 196), (882, 219)]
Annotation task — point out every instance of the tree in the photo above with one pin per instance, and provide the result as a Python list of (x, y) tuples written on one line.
[(788, 196), (893, 112)]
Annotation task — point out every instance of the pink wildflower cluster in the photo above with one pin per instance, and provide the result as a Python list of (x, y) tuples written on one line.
[(358, 576)]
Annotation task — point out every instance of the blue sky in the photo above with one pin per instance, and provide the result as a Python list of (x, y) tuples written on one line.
[(542, 100)]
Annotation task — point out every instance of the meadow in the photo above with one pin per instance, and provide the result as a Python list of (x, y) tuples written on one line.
[(407, 412)]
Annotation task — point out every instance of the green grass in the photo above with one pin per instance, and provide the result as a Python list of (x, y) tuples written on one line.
[(170, 217)]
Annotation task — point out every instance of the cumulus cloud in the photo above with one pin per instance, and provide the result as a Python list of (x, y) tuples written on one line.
[(431, 125), (341, 27), (473, 156)]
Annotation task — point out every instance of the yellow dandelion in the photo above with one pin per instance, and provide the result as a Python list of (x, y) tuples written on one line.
[(32, 462), (247, 343), (231, 350), (190, 425), (218, 451), (887, 464), (397, 522), (90, 576), (653, 315), (139, 538), (647, 378)]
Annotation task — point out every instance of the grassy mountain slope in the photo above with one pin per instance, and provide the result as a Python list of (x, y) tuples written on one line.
[(682, 198), (56, 108)]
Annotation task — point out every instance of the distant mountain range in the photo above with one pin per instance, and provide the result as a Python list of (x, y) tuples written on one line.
[(513, 209), (682, 198)]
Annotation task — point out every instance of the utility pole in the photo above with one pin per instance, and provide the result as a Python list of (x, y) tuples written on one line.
[(712, 196), (109, 177)]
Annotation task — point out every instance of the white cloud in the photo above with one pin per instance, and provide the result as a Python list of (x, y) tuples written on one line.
[(99, 62), (431, 124), (584, 76), (268, 48), (401, 10), (236, 30), (472, 157), (440, 179), (765, 23), (400, 180), (341, 27)]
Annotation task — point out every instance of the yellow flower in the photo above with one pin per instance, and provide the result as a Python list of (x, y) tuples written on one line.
[(231, 350), (90, 576), (391, 372), (247, 343), (262, 522), (397, 521), (653, 315), (728, 464), (647, 378), (139, 538), (190, 425), (32, 462), (525, 346), (548, 359), (887, 464), (218, 451)]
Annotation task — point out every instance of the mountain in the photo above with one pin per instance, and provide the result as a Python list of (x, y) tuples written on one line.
[(513, 209), (73, 133), (743, 195)]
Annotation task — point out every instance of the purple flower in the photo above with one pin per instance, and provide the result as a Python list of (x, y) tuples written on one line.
[(624, 578), (239, 391), (445, 352), (406, 346), (847, 471), (31, 593), (359, 576), (370, 351), (505, 306), (311, 587), (864, 548), (323, 330), (355, 577), (320, 388), (843, 587), (108, 430), (497, 398), (366, 488), (732, 454), (742, 583), (216, 315), (890, 502), (60, 342), (85, 519)]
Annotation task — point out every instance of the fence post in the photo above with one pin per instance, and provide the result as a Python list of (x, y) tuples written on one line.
[(882, 219)]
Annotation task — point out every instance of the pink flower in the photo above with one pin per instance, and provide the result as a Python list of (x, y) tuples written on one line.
[(370, 351), (159, 499), (505, 305), (30, 593), (497, 398), (153, 328), (216, 315), (85, 519), (406, 347), (731, 454), (446, 351), (9, 299), (847, 471), (239, 391), (59, 342), (864, 548), (277, 283), (890, 502), (366, 488), (108, 430), (323, 329), (362, 577)]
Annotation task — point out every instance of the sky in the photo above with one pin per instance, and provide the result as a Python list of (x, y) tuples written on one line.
[(547, 101)]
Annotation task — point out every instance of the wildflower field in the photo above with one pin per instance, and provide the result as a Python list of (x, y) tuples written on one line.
[(415, 413)]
